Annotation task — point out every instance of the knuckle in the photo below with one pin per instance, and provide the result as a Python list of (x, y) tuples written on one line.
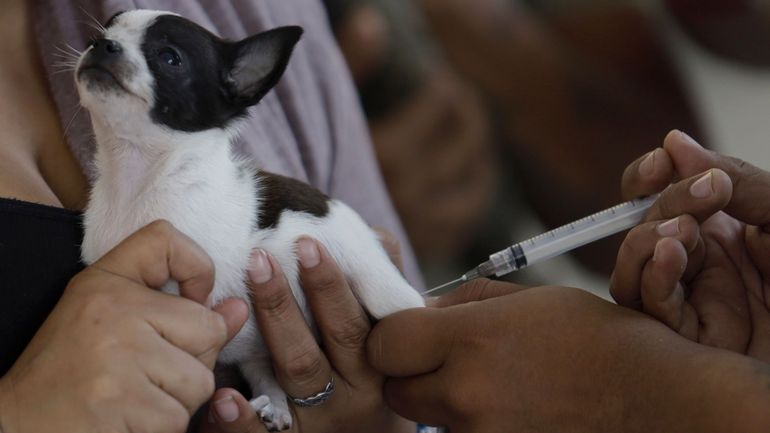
[(271, 301), (102, 389), (202, 383), (177, 420), (304, 366), (159, 229), (97, 308), (324, 281), (353, 332)]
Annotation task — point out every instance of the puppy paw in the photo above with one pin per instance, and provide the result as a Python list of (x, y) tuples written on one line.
[(275, 418)]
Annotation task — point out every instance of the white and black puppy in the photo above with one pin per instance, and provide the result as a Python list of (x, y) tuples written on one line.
[(165, 96)]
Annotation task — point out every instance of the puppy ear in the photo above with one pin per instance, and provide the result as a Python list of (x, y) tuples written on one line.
[(259, 63)]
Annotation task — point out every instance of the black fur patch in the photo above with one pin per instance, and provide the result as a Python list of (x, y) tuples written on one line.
[(188, 96), (279, 193), (192, 69)]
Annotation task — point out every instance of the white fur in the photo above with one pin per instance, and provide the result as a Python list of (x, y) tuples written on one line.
[(148, 172)]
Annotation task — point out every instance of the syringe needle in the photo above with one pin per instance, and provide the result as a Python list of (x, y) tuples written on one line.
[(436, 289)]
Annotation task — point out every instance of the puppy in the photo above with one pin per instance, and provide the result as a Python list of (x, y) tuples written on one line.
[(165, 96)]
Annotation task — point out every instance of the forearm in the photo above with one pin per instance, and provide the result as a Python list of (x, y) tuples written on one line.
[(700, 389), (736, 394)]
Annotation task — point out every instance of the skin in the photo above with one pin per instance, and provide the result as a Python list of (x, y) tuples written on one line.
[(118, 355), (302, 367), (711, 281), (36, 165), (500, 358)]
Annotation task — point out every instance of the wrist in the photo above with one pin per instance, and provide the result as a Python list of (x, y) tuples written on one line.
[(740, 398), (720, 391)]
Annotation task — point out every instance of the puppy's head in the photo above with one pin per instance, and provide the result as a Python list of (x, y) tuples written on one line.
[(159, 68)]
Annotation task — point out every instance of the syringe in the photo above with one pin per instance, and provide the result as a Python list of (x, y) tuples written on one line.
[(559, 241)]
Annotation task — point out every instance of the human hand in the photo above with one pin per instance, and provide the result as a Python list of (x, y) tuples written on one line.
[(301, 367), (116, 356), (710, 279), (496, 357), (437, 161)]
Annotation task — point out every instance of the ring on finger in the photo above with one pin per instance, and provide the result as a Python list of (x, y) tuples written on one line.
[(316, 399)]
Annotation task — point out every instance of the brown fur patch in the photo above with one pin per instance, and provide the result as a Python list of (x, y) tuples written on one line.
[(278, 193)]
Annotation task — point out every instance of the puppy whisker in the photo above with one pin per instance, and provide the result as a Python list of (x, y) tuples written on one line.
[(69, 124), (97, 25)]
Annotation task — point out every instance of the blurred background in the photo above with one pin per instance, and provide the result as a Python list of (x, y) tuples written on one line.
[(494, 120)]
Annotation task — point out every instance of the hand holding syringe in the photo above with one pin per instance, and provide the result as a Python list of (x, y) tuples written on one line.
[(559, 241)]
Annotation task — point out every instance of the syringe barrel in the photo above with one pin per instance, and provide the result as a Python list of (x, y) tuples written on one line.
[(508, 260), (586, 230)]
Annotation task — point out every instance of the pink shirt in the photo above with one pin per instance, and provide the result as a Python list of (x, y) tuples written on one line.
[(309, 127)]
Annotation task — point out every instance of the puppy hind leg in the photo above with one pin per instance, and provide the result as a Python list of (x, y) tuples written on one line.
[(375, 280)]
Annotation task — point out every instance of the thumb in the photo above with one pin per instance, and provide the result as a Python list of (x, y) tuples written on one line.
[(230, 412), (235, 312), (424, 334), (751, 185)]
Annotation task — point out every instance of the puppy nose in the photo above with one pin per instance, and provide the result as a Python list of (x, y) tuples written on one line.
[(106, 48)]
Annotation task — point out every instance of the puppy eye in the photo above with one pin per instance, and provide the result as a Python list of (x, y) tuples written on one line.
[(169, 57)]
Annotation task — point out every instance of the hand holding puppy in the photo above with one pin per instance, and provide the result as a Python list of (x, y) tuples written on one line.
[(116, 355), (701, 262)]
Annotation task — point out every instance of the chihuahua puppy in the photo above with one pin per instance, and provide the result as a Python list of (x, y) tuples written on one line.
[(165, 96)]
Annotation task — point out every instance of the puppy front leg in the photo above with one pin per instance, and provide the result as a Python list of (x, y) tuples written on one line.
[(268, 398)]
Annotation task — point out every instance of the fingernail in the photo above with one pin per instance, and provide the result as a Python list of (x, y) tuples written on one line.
[(686, 138), (309, 256), (703, 187), (669, 228), (227, 409), (260, 270), (647, 166), (658, 249)]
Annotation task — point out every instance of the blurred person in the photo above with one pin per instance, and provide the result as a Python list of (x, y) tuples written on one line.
[(430, 128), (580, 88), (100, 348)]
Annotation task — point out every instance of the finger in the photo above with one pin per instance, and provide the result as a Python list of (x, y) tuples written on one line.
[(160, 411), (392, 246), (189, 326), (342, 322), (663, 295), (235, 312), (180, 375), (648, 175), (758, 245), (700, 196), (639, 247), (476, 290), (410, 342), (751, 185), (230, 412), (419, 398), (300, 366), (158, 252)]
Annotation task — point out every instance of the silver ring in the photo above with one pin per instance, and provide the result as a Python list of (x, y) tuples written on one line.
[(315, 400)]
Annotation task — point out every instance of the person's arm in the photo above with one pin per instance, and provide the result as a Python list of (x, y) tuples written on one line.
[(560, 359)]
